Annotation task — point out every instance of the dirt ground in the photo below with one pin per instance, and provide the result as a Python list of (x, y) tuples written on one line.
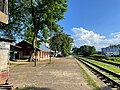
[(62, 74)]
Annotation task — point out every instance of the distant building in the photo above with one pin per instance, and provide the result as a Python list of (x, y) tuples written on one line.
[(112, 50), (23, 49)]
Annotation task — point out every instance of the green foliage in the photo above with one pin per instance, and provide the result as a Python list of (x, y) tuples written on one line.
[(104, 65), (42, 12), (87, 50), (105, 58), (99, 56), (99, 64), (115, 59), (61, 42), (16, 20), (84, 50), (75, 50), (28, 35)]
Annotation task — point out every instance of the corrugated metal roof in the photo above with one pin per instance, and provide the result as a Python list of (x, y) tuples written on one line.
[(26, 44), (43, 47)]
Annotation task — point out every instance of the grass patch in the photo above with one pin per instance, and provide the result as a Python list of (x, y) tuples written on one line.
[(50, 63), (104, 65), (88, 79), (115, 59)]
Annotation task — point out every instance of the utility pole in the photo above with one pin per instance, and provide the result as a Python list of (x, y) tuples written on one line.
[(51, 37)]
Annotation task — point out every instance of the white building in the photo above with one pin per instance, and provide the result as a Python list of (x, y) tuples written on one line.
[(112, 50)]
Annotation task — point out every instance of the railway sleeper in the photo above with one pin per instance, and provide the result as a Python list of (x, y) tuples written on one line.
[(102, 78), (106, 81), (6, 87), (99, 76), (96, 73), (111, 83)]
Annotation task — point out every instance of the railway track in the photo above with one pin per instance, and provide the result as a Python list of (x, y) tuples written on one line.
[(6, 87), (104, 69), (100, 72), (112, 63)]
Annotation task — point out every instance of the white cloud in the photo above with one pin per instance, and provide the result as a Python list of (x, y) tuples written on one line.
[(115, 35), (88, 37)]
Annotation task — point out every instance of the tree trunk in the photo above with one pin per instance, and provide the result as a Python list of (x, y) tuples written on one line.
[(51, 36), (34, 45), (35, 31), (55, 53)]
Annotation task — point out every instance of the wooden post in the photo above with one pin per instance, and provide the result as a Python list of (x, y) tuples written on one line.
[(3, 18), (4, 11)]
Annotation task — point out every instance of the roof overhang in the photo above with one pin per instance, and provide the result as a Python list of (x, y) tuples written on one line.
[(7, 40)]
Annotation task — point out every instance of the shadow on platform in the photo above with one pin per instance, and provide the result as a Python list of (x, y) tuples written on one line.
[(33, 88)]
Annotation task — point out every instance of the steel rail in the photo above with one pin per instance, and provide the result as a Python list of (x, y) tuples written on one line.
[(101, 74), (112, 63)]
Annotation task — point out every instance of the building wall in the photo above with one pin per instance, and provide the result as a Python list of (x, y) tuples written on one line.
[(41, 55), (3, 76), (23, 55), (4, 59), (111, 51)]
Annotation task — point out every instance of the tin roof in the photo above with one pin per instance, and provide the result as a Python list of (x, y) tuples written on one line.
[(26, 44), (43, 47)]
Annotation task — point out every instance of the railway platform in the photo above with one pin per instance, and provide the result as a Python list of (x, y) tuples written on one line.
[(61, 74)]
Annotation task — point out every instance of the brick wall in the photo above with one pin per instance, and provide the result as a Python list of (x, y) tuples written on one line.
[(3, 77)]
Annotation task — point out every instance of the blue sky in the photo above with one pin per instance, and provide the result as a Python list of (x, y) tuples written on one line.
[(93, 22)]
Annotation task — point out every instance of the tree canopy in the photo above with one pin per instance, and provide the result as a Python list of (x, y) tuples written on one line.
[(75, 50), (42, 12), (87, 50), (84, 50), (30, 19), (16, 20), (61, 42)]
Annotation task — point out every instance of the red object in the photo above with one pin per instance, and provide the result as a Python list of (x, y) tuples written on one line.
[(3, 76)]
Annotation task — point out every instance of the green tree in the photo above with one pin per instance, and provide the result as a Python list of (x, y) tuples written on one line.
[(66, 44), (16, 20), (75, 50), (45, 15), (87, 50), (61, 42), (39, 17)]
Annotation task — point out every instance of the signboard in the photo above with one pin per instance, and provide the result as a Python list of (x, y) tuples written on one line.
[(112, 53), (4, 11)]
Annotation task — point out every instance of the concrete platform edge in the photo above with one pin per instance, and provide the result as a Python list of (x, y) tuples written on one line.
[(99, 83)]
